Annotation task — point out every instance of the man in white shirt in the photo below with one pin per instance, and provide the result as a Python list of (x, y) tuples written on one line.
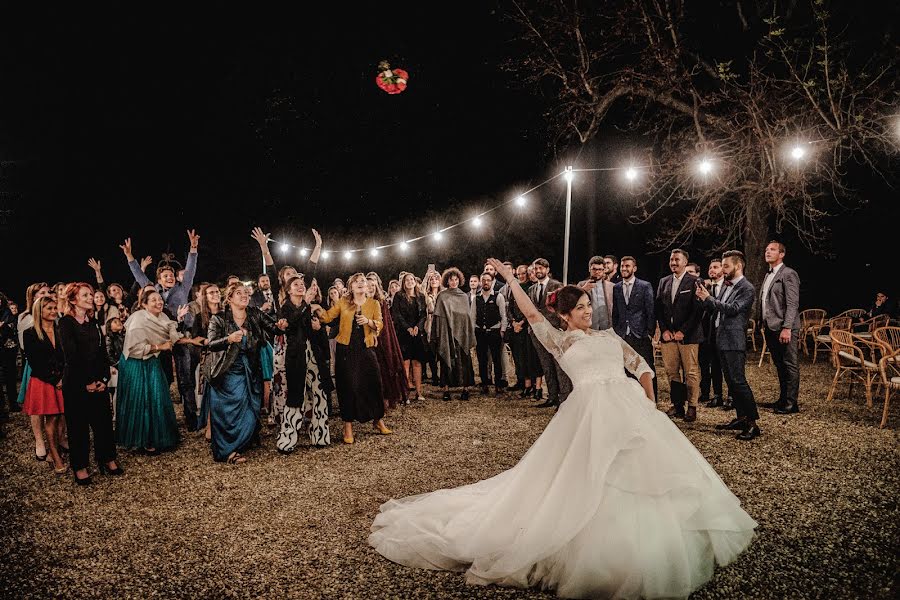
[(710, 368), (489, 315), (780, 316)]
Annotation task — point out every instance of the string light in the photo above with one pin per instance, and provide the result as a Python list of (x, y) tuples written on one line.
[(704, 166)]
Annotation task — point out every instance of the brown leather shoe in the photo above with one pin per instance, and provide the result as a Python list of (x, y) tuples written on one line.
[(676, 412), (691, 414)]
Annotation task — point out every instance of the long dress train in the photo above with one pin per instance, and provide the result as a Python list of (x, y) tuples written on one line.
[(611, 500)]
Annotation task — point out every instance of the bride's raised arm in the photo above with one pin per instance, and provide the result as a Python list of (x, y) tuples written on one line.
[(529, 310)]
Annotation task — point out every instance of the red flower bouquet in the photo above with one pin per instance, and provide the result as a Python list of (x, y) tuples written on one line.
[(392, 81)]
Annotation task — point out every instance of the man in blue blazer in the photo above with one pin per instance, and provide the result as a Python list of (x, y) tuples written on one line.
[(633, 314), (731, 311)]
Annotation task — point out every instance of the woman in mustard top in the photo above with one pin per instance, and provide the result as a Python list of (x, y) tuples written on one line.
[(358, 379)]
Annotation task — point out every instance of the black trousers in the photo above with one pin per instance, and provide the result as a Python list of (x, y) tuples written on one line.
[(184, 368), (489, 343), (165, 361), (549, 368), (10, 374), (786, 360), (710, 368), (524, 357), (88, 412), (644, 347), (733, 363)]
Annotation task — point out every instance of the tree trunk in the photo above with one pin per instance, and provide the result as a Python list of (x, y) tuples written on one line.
[(755, 237)]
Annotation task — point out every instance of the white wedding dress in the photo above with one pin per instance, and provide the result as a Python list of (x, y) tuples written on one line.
[(611, 501)]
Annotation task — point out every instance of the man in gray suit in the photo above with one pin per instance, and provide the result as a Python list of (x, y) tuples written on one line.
[(730, 314), (780, 309)]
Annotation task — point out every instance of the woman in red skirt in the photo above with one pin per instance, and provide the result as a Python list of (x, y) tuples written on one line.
[(44, 396)]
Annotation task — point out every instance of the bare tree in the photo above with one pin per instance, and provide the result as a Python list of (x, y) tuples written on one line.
[(779, 105)]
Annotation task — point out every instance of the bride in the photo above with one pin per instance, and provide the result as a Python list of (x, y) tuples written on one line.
[(610, 501)]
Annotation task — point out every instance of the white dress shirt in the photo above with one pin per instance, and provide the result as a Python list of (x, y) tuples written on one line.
[(767, 283)]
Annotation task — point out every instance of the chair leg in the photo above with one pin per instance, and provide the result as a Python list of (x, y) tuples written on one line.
[(815, 351), (834, 383), (887, 403), (868, 389)]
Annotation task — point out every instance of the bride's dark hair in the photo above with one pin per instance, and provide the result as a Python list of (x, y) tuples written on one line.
[(563, 300)]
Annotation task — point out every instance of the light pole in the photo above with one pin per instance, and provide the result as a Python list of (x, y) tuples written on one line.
[(569, 175)]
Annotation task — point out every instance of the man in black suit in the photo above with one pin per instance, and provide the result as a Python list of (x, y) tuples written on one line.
[(633, 316), (263, 298), (678, 314), (732, 312), (538, 294), (780, 309), (710, 369)]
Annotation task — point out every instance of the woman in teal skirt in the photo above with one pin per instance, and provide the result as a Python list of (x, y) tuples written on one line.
[(144, 414)]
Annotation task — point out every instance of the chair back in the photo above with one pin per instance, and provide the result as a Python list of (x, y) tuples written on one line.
[(888, 338), (840, 323), (811, 316), (842, 341), (878, 321), (854, 313)]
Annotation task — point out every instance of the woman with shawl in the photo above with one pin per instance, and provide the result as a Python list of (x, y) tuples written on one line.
[(453, 335), (144, 414)]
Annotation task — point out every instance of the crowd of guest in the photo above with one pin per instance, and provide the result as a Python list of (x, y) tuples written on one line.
[(99, 361)]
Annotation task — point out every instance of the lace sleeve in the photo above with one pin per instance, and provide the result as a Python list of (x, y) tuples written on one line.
[(550, 337), (634, 362)]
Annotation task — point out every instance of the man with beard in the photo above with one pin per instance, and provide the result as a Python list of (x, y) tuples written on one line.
[(543, 287), (780, 311), (710, 368), (678, 314), (634, 319), (611, 263), (600, 291), (732, 312)]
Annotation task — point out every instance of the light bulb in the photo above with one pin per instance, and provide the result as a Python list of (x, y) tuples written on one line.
[(348, 255), (477, 221), (520, 201), (304, 251), (373, 252), (631, 173), (284, 247)]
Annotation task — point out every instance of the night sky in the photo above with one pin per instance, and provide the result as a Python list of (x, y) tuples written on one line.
[(145, 124)]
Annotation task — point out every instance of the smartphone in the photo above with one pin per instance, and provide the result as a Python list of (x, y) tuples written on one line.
[(431, 267)]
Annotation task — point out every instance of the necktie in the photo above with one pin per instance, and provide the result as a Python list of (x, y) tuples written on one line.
[(540, 294), (771, 270), (627, 291), (729, 283), (715, 291)]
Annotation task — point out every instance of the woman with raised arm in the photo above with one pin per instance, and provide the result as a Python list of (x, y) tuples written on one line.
[(610, 501), (278, 386), (308, 385), (357, 375), (117, 301)]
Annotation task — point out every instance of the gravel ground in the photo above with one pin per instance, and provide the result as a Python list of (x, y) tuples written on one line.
[(823, 485)]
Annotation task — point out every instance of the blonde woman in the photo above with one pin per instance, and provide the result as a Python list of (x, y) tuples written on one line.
[(34, 292), (44, 398), (408, 311), (357, 374)]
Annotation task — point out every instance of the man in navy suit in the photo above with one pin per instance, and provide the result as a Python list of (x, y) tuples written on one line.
[(731, 312), (633, 315), (678, 314)]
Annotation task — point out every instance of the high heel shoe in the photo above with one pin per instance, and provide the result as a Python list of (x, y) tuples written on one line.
[(40, 458), (382, 429), (57, 470), (348, 439), (539, 395), (446, 396), (85, 481), (526, 393), (105, 470)]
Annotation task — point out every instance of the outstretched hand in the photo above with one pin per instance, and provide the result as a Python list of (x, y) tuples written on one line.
[(94, 264), (145, 262), (126, 248), (194, 238), (505, 271), (318, 238), (261, 238)]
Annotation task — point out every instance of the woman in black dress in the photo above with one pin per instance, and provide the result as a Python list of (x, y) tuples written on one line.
[(409, 312), (358, 376), (84, 385)]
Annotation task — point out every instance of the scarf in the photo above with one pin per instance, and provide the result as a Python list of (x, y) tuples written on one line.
[(143, 330)]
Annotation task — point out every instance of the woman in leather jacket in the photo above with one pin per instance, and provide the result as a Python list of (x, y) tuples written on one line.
[(236, 338)]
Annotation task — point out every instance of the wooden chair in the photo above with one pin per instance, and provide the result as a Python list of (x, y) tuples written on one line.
[(889, 369), (866, 328), (888, 338), (849, 359), (809, 318), (823, 340), (751, 333), (855, 313)]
